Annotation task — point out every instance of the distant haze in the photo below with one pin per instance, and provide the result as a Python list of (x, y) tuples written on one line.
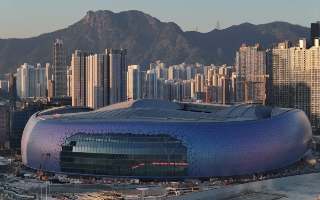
[(33, 17)]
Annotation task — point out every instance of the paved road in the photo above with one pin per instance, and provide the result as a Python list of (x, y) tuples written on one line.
[(303, 187)]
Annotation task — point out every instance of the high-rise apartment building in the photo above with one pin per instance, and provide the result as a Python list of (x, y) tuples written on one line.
[(177, 91), (315, 31), (295, 78), (79, 78), (18, 82), (173, 73), (98, 81), (59, 69), (280, 75), (190, 72), (40, 81), (134, 82), (199, 84), (162, 71), (118, 74), (50, 81), (69, 81), (164, 88), (184, 82), (199, 88), (219, 85), (4, 86), (171, 90), (251, 74), (224, 85), (31, 81), (26, 81), (300, 77), (177, 72), (313, 64), (151, 84), (13, 88), (186, 89)]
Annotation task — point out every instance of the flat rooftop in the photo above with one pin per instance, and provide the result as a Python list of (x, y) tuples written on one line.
[(158, 110)]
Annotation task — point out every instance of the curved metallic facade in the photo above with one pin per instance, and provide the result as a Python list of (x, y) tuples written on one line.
[(129, 144)]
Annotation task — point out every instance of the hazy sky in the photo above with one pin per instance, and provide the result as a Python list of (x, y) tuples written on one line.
[(25, 18)]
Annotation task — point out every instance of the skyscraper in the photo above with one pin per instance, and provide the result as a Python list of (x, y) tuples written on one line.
[(79, 78), (59, 69), (199, 87), (69, 81), (224, 85), (134, 82), (26, 81), (296, 79), (177, 72), (31, 81), (313, 64), (190, 72), (18, 82), (13, 89), (251, 74), (281, 75), (177, 91), (162, 71), (315, 31), (151, 84), (40, 81), (173, 72), (50, 82), (200, 93), (97, 81), (118, 74), (219, 85), (186, 89)]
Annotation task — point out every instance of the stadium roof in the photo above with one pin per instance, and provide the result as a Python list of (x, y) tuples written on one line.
[(158, 110)]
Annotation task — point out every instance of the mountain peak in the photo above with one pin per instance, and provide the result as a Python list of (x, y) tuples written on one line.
[(146, 38), (92, 16), (103, 14), (91, 13), (105, 20)]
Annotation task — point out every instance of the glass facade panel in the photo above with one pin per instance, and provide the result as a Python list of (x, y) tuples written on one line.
[(124, 154)]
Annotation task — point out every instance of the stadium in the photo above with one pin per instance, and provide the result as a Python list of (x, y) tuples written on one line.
[(160, 139)]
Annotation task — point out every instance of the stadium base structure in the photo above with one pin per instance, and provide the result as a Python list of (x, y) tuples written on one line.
[(160, 139)]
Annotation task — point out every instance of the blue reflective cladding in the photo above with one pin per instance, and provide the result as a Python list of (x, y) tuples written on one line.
[(213, 148)]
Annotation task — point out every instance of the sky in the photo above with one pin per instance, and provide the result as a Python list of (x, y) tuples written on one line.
[(26, 18)]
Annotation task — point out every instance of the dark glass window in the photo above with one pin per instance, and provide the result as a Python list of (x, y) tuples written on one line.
[(124, 154)]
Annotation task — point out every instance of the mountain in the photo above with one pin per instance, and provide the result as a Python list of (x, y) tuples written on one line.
[(146, 38), (219, 46)]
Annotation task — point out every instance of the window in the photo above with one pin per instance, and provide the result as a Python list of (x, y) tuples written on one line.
[(124, 154)]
